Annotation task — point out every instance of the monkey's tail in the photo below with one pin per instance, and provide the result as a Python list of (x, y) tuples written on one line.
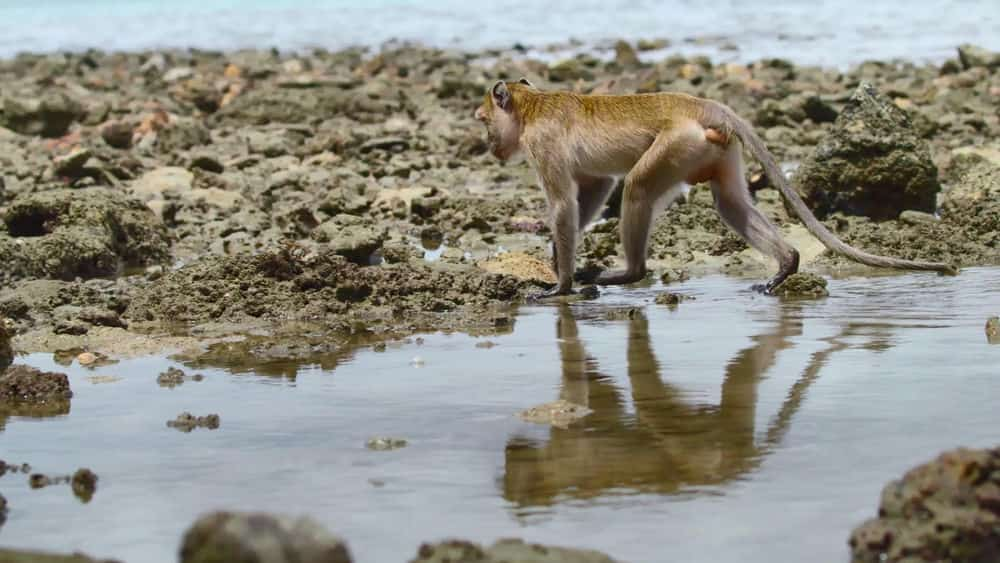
[(735, 124)]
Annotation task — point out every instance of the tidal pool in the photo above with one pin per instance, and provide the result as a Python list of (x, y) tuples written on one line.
[(733, 427)]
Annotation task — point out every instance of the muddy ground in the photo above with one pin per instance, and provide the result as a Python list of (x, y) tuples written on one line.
[(353, 190)]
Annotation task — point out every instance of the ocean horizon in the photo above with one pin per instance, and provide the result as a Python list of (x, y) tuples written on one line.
[(824, 33)]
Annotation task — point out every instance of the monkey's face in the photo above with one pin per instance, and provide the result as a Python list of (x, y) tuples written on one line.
[(503, 131)]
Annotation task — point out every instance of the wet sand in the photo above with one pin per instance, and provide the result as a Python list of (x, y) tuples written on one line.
[(729, 427)]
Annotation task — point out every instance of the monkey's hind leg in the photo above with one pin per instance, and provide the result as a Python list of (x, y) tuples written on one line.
[(673, 156), (735, 206)]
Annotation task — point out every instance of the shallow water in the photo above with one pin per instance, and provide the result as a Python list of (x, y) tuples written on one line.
[(731, 428), (830, 33)]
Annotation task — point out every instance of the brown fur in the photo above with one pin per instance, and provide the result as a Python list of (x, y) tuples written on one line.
[(579, 143)]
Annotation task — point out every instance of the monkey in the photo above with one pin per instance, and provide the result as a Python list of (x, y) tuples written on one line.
[(579, 145)]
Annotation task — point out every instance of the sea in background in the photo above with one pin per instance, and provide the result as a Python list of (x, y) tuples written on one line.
[(827, 33)]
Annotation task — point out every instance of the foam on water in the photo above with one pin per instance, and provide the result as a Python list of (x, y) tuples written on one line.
[(829, 33)]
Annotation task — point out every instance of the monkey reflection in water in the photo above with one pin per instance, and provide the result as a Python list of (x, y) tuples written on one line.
[(670, 444)]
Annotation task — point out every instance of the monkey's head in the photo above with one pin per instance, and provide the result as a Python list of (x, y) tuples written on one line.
[(503, 124)]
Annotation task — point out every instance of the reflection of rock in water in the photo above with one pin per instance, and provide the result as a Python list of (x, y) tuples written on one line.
[(26, 391), (669, 444), (505, 551), (945, 510)]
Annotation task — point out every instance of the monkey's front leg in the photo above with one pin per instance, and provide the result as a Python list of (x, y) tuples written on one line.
[(564, 232)]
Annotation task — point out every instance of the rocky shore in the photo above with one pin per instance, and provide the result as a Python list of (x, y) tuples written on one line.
[(353, 190)]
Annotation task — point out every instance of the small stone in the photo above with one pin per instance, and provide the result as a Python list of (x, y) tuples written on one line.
[(84, 484), (86, 358), (671, 299), (558, 413), (186, 422), (911, 217), (117, 134), (207, 163), (72, 164), (178, 73), (626, 56), (802, 286), (39, 481), (993, 330), (383, 443), (170, 378)]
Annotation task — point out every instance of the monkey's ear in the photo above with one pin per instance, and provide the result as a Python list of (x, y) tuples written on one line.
[(501, 95), (524, 81)]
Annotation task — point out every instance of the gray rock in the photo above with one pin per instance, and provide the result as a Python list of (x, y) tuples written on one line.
[(87, 233), (260, 538), (357, 243), (182, 134), (944, 510), (972, 56), (49, 116), (24, 384), (161, 183), (873, 163)]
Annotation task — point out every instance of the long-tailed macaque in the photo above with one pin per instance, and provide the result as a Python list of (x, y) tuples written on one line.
[(580, 145)]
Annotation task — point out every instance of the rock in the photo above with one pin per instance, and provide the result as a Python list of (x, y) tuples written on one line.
[(178, 73), (944, 510), (504, 551), (260, 538), (170, 378), (383, 443), (972, 56), (117, 134), (356, 243), (6, 349), (24, 384), (79, 233), (84, 484), (86, 358), (18, 556), (181, 134), (186, 422), (670, 299), (520, 265), (218, 198), (625, 55), (819, 110), (49, 116), (993, 330), (558, 413), (974, 202), (569, 70), (911, 217), (162, 183), (208, 163), (802, 285), (873, 163), (72, 164)]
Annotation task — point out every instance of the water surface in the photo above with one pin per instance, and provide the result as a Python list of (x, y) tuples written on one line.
[(827, 32), (734, 427)]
